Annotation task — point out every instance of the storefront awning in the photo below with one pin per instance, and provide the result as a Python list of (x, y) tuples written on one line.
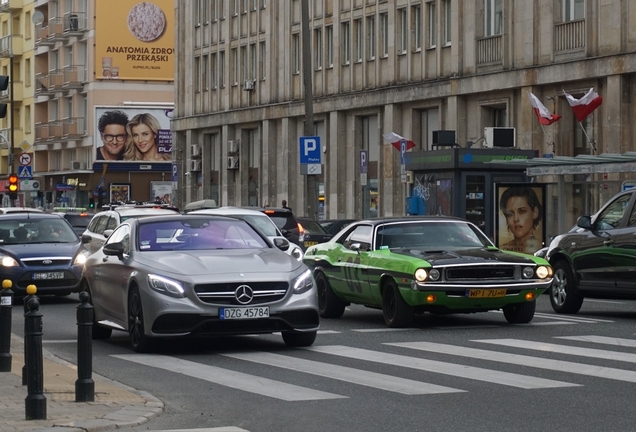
[(581, 164)]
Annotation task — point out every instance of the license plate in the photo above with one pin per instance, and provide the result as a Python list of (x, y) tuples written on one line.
[(243, 313), (49, 275), (310, 243), (485, 293)]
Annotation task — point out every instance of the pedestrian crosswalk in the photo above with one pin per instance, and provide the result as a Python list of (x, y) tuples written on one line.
[(403, 364)]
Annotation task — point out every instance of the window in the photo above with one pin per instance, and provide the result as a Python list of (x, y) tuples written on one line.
[(27, 25), (357, 25), (261, 61), (612, 216), (213, 73), (235, 7), (197, 12), (213, 10), (403, 29), (346, 44), (573, 10), (432, 24), (27, 118), (371, 37), (197, 74), (27, 72), (295, 53), (235, 67), (244, 63), (253, 60), (384, 34), (222, 69), (447, 22), (416, 12), (493, 15), (318, 48), (329, 30), (205, 77), (205, 13), (221, 9)]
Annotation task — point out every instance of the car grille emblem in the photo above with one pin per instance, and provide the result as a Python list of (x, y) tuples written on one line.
[(47, 262), (244, 294)]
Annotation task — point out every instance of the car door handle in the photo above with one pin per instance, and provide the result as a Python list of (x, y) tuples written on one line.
[(339, 259), (608, 242)]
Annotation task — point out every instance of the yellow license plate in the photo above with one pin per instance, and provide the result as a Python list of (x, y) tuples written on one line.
[(486, 293), (310, 243)]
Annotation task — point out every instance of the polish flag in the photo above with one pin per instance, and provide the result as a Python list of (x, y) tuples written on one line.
[(583, 107), (544, 116), (395, 139)]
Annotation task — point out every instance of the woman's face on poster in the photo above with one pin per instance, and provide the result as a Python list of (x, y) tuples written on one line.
[(520, 216), (143, 137)]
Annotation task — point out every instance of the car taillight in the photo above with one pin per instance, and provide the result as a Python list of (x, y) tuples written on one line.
[(269, 212), (301, 233)]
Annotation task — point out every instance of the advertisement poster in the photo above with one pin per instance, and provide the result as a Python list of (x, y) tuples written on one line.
[(161, 192), (134, 40), (520, 215), (119, 192), (133, 134)]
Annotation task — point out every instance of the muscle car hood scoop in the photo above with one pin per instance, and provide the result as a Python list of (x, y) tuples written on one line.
[(475, 255)]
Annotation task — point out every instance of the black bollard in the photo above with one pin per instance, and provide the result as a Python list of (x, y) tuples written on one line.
[(31, 290), (6, 307), (35, 402), (84, 386)]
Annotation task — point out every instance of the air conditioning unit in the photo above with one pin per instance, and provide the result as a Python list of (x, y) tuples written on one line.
[(232, 162), (195, 165), (499, 137), (248, 85), (195, 150), (76, 165), (233, 146)]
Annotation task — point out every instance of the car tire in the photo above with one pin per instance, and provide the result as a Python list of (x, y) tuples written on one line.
[(97, 331), (298, 339), (520, 313), (329, 304), (564, 295), (138, 339), (397, 313)]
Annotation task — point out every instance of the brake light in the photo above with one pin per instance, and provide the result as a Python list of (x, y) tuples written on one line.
[(301, 232), (83, 214), (269, 211)]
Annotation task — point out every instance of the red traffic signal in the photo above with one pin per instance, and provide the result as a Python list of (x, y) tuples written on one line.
[(13, 183)]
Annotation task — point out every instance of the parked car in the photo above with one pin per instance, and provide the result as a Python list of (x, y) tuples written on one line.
[(103, 223), (285, 221), (178, 275), (434, 264), (41, 249), (597, 259), (311, 232), (78, 220), (260, 221), (334, 226)]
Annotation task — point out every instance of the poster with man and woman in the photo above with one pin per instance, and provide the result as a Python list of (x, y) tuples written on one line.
[(520, 215), (139, 134)]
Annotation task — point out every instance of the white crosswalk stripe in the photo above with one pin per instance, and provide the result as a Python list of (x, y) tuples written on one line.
[(342, 373), (631, 343), (480, 374)]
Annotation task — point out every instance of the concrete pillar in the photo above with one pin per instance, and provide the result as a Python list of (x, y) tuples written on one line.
[(393, 191)]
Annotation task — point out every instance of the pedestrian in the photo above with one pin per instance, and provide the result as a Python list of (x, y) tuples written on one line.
[(284, 205)]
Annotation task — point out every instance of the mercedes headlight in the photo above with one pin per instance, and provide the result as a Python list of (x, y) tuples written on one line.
[(303, 283), (8, 261), (166, 286)]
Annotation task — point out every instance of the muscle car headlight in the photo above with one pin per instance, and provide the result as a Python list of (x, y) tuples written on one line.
[(527, 272), (165, 286), (543, 272), (433, 274), (80, 258), (420, 275), (8, 261), (303, 283)]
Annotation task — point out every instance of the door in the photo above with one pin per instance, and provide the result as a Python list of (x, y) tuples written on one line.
[(625, 244), (352, 265)]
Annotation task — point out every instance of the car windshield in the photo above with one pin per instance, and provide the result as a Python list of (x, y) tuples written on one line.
[(36, 231), (199, 234), (312, 227), (430, 235)]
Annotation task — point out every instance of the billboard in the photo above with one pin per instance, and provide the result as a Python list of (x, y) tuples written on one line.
[(133, 134), (134, 40), (520, 213)]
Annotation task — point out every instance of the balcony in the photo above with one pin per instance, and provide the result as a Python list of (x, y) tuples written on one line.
[(73, 77), (75, 23), (41, 132), (42, 34), (6, 43), (73, 128), (490, 50), (569, 36), (48, 85), (56, 130), (56, 29), (10, 5)]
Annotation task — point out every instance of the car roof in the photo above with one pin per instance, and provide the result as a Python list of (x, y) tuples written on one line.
[(179, 216), (30, 215), (5, 210), (128, 211), (232, 211), (389, 219)]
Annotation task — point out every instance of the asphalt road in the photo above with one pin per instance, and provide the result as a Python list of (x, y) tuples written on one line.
[(456, 372)]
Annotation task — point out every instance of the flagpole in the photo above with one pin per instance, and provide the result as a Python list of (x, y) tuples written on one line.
[(587, 136)]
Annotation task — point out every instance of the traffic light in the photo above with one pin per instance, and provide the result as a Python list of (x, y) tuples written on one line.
[(4, 84), (91, 203), (13, 186)]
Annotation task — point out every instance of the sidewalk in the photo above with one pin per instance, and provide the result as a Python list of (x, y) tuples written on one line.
[(115, 405)]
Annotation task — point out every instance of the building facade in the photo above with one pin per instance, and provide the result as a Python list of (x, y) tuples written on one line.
[(74, 60)]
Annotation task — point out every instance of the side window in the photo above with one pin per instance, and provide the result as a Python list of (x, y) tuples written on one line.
[(121, 235), (612, 216), (93, 224), (100, 226), (362, 235), (112, 223), (632, 218)]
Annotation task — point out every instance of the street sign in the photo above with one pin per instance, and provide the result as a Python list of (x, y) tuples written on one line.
[(364, 166), (25, 146), (32, 185), (310, 150), (402, 151), (25, 159), (25, 172)]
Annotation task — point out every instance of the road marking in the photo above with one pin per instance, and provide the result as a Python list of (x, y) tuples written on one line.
[(631, 343), (465, 327), (382, 329), (479, 374), (230, 378), (563, 349), (328, 332), (343, 373), (571, 318), (523, 360), (544, 323)]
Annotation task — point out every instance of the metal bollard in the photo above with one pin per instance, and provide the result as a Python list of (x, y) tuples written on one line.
[(84, 386), (6, 309), (35, 402), (31, 290)]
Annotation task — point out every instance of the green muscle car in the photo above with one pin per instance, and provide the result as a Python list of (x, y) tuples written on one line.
[(433, 264)]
